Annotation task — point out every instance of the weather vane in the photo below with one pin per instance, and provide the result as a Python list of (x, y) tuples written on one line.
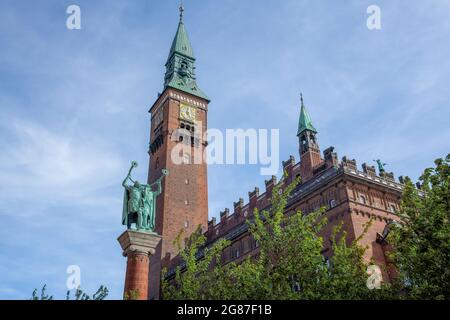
[(181, 10)]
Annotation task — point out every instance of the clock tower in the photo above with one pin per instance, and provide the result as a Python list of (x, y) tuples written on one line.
[(178, 122)]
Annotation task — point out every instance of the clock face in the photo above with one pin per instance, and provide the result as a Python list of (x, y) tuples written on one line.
[(187, 112)]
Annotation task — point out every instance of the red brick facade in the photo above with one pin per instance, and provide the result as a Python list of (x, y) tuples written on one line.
[(183, 204), (136, 278), (350, 195)]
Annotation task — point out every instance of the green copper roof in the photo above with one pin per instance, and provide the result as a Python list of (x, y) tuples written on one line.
[(189, 87), (181, 43), (180, 65), (304, 122)]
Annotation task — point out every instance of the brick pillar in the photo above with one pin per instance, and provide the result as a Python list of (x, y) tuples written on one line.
[(137, 247)]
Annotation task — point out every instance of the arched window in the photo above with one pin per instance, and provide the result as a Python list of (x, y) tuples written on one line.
[(332, 203), (362, 199)]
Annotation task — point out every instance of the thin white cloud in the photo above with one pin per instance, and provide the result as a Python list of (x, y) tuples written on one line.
[(41, 163)]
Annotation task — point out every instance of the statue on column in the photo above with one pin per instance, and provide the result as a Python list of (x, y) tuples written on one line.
[(139, 202)]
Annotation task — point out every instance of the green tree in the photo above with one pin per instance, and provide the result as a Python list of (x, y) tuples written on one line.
[(192, 281), (290, 263), (101, 294), (42, 296), (421, 241)]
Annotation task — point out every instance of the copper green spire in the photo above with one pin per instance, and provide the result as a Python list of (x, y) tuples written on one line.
[(304, 122), (181, 43), (180, 69)]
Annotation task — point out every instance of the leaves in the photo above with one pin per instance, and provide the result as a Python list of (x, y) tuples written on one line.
[(289, 265), (43, 295), (101, 294), (422, 240)]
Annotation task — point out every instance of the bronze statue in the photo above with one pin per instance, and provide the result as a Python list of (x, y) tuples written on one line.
[(139, 202), (380, 165)]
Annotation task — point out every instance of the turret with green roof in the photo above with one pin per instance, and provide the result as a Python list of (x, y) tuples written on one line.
[(306, 133), (304, 121), (180, 69)]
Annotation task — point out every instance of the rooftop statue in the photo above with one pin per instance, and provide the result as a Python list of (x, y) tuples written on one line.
[(380, 165), (139, 202)]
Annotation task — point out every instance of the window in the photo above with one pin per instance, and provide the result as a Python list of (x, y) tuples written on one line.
[(186, 158), (295, 284), (392, 208), (186, 224), (236, 253), (362, 199), (246, 244), (332, 203), (327, 263)]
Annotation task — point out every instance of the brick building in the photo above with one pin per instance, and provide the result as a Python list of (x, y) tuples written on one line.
[(350, 195)]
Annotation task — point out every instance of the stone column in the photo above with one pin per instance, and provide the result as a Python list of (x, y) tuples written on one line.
[(137, 247)]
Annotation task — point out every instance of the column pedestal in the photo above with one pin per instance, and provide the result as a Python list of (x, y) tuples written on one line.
[(137, 247)]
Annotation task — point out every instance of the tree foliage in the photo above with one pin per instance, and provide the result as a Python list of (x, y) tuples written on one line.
[(421, 242), (101, 294), (289, 265)]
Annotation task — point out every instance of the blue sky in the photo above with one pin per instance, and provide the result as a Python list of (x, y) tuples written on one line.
[(73, 108)]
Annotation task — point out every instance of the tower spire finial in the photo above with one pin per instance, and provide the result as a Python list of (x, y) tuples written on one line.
[(181, 11), (301, 97)]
